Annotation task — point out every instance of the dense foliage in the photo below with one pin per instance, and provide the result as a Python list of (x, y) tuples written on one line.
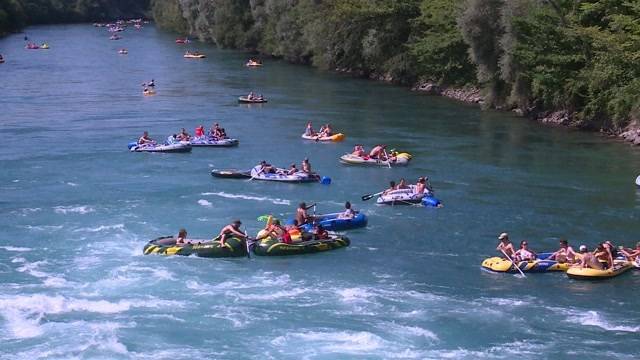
[(14, 14)]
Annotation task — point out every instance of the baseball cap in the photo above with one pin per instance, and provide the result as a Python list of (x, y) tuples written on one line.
[(503, 236)]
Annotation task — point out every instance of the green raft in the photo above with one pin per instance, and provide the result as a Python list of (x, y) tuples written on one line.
[(166, 245), (273, 247)]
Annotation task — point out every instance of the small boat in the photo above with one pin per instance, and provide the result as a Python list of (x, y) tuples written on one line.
[(194, 56), (397, 159), (638, 181), (619, 267), (332, 222), (541, 264), (169, 148), (246, 100), (202, 142), (32, 46), (273, 247), (408, 197), (251, 63), (123, 51), (334, 137), (182, 41), (166, 245), (114, 37), (44, 46), (148, 92), (231, 174), (298, 177)]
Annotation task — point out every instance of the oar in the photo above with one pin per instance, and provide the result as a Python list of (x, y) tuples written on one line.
[(513, 263), (388, 160), (246, 241), (254, 176), (369, 196)]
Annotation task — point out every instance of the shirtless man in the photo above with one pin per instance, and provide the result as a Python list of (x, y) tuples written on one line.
[(292, 169), (392, 186), (184, 135), (232, 229), (505, 246), (145, 139), (565, 254), (631, 254), (587, 259), (348, 213), (358, 150), (402, 184), (306, 166), (301, 214)]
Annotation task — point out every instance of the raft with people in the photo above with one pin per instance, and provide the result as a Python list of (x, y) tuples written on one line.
[(253, 63), (281, 175), (251, 100), (167, 245), (167, 148), (317, 137), (587, 273), (183, 41), (209, 142), (305, 244), (638, 181), (540, 264), (393, 160), (334, 222), (408, 196), (194, 55)]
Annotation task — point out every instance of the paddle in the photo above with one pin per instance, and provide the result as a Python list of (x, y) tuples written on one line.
[(370, 196), (388, 160), (513, 263), (254, 176), (246, 241)]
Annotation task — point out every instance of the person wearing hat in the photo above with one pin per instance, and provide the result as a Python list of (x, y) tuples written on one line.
[(565, 254), (505, 246), (232, 229), (587, 259)]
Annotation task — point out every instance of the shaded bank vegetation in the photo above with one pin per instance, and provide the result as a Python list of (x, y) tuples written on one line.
[(578, 56), (15, 14)]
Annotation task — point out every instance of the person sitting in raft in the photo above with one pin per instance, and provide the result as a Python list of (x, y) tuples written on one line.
[(214, 131), (266, 168), (608, 245), (402, 184), (328, 131), (348, 213), (292, 169), (358, 150), (587, 259), (145, 139), (309, 130), (392, 186), (321, 131), (602, 256), (184, 135), (306, 166), (320, 233), (631, 254), (199, 132), (252, 96), (232, 229), (151, 83), (181, 239), (524, 253), (276, 231), (301, 214), (222, 134), (565, 254), (505, 245), (378, 152)]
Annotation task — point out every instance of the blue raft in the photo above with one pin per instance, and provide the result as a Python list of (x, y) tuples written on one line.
[(331, 222)]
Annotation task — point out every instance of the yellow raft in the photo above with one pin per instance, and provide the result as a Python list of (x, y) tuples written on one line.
[(335, 137), (580, 273), (499, 264)]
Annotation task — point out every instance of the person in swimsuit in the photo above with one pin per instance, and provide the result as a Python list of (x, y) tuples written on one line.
[(292, 169), (348, 213), (320, 233), (603, 256), (309, 130), (301, 214), (184, 135), (232, 229), (306, 166), (358, 150), (524, 253), (145, 139), (505, 245), (565, 254), (378, 152), (587, 259), (631, 254), (181, 239), (402, 184), (266, 168), (392, 187)]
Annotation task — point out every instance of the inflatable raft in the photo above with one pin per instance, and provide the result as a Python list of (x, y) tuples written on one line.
[(273, 247), (148, 92), (331, 222), (499, 264), (334, 137), (233, 247), (194, 56), (231, 174), (182, 41), (213, 143), (253, 64), (638, 181), (408, 197), (246, 100), (399, 159), (619, 267), (298, 177), (172, 148)]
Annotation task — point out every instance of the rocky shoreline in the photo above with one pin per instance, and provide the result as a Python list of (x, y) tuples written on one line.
[(472, 95)]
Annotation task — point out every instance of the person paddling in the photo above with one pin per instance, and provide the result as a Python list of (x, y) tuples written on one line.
[(505, 246), (230, 230), (301, 214), (145, 139)]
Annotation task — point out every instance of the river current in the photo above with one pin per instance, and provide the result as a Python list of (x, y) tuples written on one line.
[(76, 209)]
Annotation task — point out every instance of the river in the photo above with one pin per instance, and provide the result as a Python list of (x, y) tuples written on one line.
[(77, 208)]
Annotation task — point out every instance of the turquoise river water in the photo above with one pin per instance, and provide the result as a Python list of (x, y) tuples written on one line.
[(76, 209)]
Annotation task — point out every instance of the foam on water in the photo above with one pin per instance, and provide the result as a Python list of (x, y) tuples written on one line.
[(249, 197), (101, 228), (594, 318), (205, 203), (15, 248), (79, 209)]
